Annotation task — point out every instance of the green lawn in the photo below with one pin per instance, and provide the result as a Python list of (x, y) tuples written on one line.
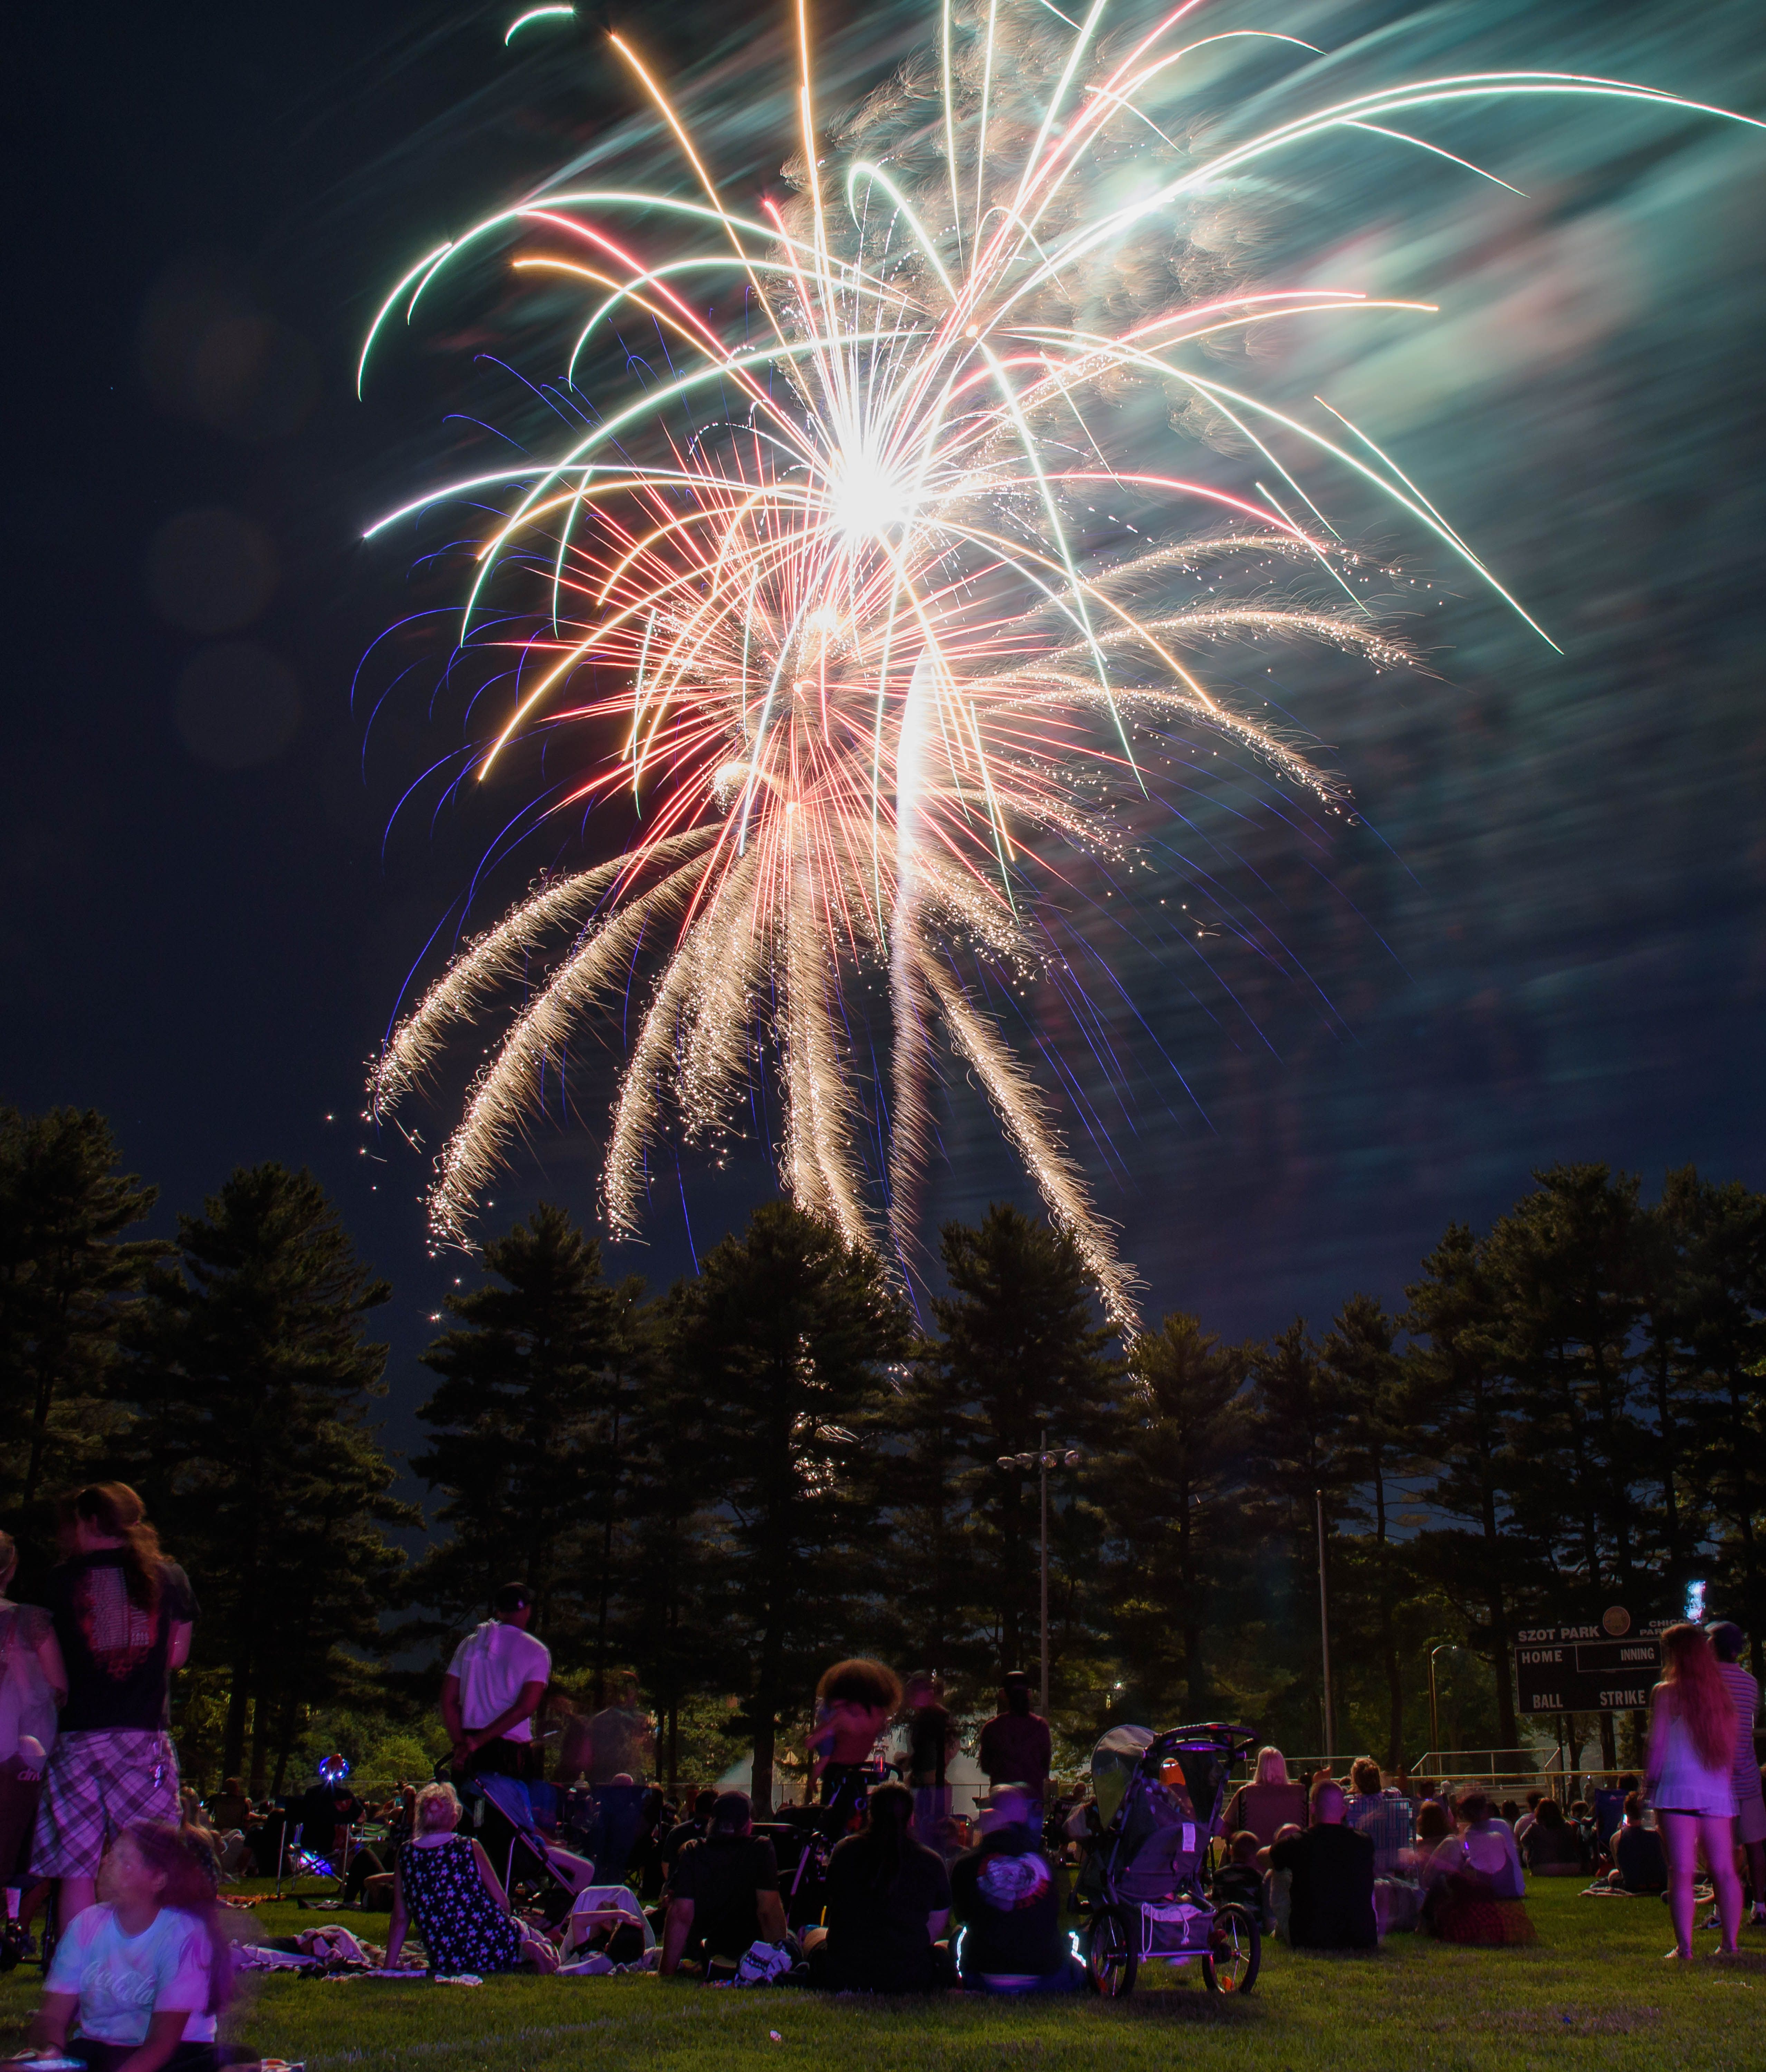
[(1593, 1993)]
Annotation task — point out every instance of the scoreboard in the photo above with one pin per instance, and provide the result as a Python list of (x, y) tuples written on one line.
[(1584, 1669)]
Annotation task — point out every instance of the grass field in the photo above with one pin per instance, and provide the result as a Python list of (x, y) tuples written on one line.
[(1594, 1992)]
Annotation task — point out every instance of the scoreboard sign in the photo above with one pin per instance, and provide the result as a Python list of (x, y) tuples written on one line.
[(1586, 1669)]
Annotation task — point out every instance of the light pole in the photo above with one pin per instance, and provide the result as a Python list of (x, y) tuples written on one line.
[(1446, 1647), (1324, 1632), (1043, 1460)]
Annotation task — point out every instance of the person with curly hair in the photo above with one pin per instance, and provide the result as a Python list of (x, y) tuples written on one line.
[(854, 1702)]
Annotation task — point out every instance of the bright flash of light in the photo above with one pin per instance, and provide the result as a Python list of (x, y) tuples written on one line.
[(536, 15), (834, 579)]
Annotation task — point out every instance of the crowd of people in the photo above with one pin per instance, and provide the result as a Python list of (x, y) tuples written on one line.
[(886, 1888)]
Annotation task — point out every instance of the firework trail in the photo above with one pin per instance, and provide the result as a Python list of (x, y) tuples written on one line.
[(877, 681)]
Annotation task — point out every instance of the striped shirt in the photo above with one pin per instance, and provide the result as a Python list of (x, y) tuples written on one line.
[(1744, 1694)]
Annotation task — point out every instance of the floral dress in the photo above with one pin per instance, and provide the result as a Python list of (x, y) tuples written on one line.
[(464, 1929)]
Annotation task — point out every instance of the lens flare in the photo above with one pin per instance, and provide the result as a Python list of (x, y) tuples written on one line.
[(873, 606)]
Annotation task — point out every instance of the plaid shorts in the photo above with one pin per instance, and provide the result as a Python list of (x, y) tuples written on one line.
[(96, 1784)]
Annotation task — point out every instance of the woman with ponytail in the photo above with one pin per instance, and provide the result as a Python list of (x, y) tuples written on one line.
[(141, 1976), (1692, 1735), (888, 1902), (123, 1615)]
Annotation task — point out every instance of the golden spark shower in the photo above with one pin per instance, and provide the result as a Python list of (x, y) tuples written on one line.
[(874, 615)]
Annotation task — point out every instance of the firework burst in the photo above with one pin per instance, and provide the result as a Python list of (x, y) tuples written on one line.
[(874, 679)]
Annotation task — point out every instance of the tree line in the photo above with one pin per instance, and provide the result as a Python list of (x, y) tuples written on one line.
[(774, 1461)]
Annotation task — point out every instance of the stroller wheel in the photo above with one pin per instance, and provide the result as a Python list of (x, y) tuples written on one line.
[(1235, 1951), (1111, 1958)]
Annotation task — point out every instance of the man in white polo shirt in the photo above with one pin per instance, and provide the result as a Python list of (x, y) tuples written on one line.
[(494, 1686)]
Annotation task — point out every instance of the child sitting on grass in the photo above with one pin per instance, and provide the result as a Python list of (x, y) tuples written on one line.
[(1238, 1882), (141, 1975)]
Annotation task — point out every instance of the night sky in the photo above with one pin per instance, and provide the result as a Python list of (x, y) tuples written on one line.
[(1546, 941)]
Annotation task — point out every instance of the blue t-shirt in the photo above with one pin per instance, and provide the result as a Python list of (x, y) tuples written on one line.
[(123, 1981)]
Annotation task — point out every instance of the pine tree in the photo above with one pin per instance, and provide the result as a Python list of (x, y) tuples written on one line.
[(66, 1277), (255, 1377), (926, 1426), (1297, 1434), (1371, 1384), (1468, 1425), (1170, 1489), (1722, 1325), (534, 1374), (1023, 1351), (1562, 1265), (676, 1576), (783, 1339)]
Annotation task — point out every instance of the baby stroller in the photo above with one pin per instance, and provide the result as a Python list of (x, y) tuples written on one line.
[(1140, 1887), (500, 1813)]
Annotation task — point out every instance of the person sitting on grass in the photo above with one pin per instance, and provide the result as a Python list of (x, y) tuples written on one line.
[(1278, 1885), (1473, 1884), (1007, 1898), (1238, 1882), (1523, 1826), (1553, 1847), (1638, 1863), (724, 1892), (1332, 1906), (888, 1902), (141, 1976), (445, 1888), (693, 1827), (1382, 1815), (1269, 1802)]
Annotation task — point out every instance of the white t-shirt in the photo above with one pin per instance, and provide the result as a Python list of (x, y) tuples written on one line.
[(492, 1664), (124, 1980)]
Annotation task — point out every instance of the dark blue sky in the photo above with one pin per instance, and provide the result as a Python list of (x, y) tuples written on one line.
[(1549, 943)]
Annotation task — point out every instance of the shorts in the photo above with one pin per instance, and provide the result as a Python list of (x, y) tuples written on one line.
[(504, 1758), (96, 1784), (1750, 1818)]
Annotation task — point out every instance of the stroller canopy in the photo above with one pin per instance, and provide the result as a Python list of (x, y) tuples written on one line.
[(1114, 1762)]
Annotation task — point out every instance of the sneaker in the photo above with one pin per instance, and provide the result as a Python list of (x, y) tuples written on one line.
[(1714, 1919)]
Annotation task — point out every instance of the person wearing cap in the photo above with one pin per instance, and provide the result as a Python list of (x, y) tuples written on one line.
[(494, 1686), (1015, 1746), (1726, 1642)]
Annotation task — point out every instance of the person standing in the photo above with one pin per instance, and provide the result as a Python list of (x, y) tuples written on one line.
[(494, 1686), (620, 1741), (928, 1751), (123, 1615), (853, 1702), (33, 1683), (1016, 1747), (1726, 1640), (1689, 1781)]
